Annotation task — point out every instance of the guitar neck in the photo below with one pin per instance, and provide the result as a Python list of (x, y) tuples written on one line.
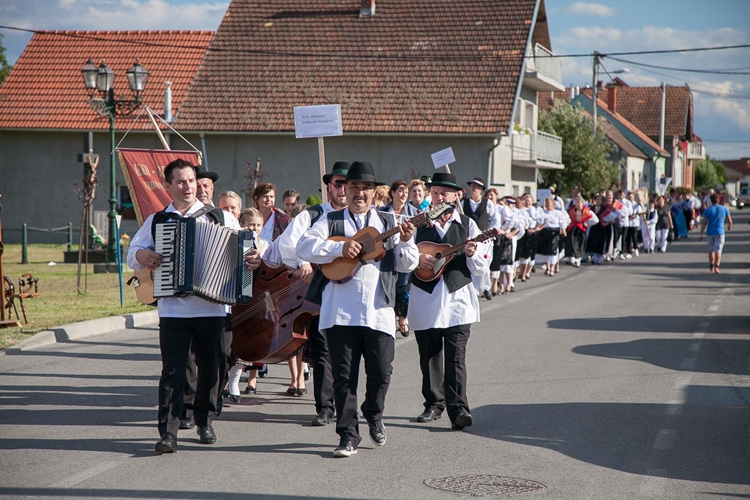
[(486, 235), (418, 221)]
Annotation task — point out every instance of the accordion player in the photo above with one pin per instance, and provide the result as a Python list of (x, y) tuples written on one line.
[(203, 259)]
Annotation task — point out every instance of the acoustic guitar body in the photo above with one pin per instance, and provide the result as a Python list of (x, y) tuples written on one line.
[(434, 249), (343, 269)]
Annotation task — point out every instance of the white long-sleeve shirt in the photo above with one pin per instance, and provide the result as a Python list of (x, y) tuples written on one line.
[(491, 210), (287, 241), (360, 301), (442, 309), (190, 306)]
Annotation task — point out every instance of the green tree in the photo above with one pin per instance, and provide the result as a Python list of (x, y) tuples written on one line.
[(709, 173), (4, 66), (585, 155)]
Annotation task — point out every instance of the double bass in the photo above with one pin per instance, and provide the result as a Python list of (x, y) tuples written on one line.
[(272, 327)]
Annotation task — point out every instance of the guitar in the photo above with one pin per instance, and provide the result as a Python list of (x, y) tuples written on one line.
[(444, 253), (343, 269)]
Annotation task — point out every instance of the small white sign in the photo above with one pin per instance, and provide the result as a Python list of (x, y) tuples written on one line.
[(443, 158), (317, 121), (542, 194)]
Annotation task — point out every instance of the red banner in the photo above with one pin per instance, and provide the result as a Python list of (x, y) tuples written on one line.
[(144, 173)]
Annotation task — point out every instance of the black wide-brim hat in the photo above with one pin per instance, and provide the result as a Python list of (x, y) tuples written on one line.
[(362, 171), (339, 168), (443, 179), (202, 174)]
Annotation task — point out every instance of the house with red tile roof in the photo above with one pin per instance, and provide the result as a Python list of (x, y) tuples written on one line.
[(44, 116), (412, 77), (636, 173)]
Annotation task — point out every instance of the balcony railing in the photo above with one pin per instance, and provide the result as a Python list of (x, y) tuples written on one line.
[(536, 147), (543, 61), (696, 151)]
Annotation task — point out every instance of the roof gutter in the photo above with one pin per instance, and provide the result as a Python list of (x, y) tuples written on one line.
[(523, 64)]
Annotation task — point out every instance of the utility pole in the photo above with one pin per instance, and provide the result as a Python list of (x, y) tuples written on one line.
[(594, 87)]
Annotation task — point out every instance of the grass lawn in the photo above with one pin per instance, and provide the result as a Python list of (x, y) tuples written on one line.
[(59, 302)]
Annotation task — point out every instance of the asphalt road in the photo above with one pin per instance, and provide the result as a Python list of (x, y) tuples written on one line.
[(621, 381)]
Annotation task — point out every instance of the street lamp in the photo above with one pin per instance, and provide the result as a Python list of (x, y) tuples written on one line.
[(101, 79), (597, 61)]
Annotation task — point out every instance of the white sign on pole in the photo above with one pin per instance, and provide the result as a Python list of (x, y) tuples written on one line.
[(543, 194), (443, 158), (317, 121)]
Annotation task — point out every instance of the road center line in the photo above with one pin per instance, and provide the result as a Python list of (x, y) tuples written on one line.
[(85, 474)]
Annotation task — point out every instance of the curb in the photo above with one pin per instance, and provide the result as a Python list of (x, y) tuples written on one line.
[(85, 329)]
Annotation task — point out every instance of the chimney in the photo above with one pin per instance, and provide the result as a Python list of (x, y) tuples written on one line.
[(367, 8), (572, 94), (578, 90), (612, 98)]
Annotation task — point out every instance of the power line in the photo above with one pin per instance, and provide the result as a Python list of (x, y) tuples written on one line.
[(686, 70), (339, 55)]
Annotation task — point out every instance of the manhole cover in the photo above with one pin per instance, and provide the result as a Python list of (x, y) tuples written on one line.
[(485, 485)]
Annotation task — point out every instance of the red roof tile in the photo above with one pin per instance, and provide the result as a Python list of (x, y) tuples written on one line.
[(429, 66), (631, 127), (642, 107), (45, 89)]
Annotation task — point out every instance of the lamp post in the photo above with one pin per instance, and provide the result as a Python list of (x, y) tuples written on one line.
[(101, 79)]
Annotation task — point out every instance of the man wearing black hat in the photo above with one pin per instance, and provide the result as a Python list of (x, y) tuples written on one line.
[(358, 314), (206, 181), (453, 306), (484, 212), (287, 242)]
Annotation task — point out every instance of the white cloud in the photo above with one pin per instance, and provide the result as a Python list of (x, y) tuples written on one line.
[(590, 9)]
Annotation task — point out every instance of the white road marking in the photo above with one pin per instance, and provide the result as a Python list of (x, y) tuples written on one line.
[(699, 335), (665, 439), (688, 364), (713, 308), (85, 474)]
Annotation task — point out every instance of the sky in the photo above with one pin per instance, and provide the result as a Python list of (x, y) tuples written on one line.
[(721, 101)]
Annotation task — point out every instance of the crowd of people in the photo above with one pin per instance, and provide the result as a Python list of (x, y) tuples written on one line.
[(493, 243)]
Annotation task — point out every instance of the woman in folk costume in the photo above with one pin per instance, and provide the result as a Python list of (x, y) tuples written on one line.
[(523, 246), (581, 218), (536, 216), (648, 227), (501, 266), (402, 210), (600, 235), (549, 237), (564, 222)]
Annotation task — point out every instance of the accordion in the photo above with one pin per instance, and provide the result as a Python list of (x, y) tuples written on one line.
[(203, 259)]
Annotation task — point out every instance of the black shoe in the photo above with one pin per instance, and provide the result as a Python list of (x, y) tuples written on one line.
[(377, 433), (322, 419), (186, 423), (225, 393), (462, 420), (428, 416), (167, 443), (345, 449), (301, 392), (263, 372), (207, 434), (292, 391), (308, 375), (249, 390), (235, 399), (487, 295)]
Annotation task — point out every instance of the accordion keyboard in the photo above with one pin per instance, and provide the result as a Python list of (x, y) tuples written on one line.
[(164, 244)]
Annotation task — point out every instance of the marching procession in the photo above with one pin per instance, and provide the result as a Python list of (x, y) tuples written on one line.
[(369, 262)]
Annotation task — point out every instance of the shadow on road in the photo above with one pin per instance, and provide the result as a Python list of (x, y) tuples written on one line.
[(655, 324), (710, 443)]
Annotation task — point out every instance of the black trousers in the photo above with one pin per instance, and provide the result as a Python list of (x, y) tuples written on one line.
[(444, 388), (631, 241), (321, 365), (191, 381), (348, 345), (191, 371), (175, 336)]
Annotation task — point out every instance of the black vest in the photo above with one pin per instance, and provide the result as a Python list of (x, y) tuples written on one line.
[(315, 212), (215, 215), (480, 216), (456, 275), (388, 273)]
